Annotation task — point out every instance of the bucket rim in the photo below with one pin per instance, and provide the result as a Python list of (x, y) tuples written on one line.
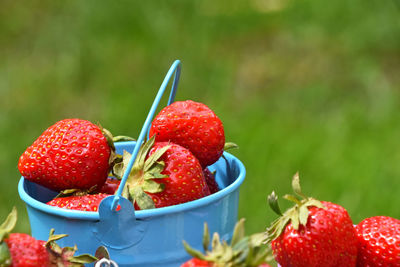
[(139, 214)]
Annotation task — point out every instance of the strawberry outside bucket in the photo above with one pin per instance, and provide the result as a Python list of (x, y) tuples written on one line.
[(146, 237)]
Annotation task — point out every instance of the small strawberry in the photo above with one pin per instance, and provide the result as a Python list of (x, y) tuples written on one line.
[(378, 242), (210, 180), (23, 250), (86, 202), (312, 233), (73, 153), (110, 186), (26, 251), (243, 251), (192, 125), (163, 174)]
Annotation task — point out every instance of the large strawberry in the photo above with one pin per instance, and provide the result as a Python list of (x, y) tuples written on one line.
[(378, 242), (23, 250), (73, 153), (163, 174), (312, 233), (243, 251), (85, 202), (192, 125)]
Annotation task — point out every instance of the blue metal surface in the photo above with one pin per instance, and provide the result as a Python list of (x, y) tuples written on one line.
[(146, 237)]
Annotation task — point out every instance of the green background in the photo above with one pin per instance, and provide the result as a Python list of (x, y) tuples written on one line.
[(301, 85)]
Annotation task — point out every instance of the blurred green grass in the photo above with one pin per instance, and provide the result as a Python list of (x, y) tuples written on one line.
[(301, 85)]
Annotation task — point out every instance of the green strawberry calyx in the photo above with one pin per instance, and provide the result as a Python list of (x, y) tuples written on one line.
[(114, 157), (65, 256), (5, 228), (142, 176), (241, 252), (297, 215)]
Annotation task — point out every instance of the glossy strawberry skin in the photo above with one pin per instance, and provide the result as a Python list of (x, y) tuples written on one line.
[(185, 180), (82, 203), (378, 242), (72, 153), (328, 240), (194, 126), (26, 251), (110, 186), (202, 263), (210, 180), (196, 263)]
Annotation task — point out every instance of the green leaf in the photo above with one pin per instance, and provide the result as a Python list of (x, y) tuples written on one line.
[(102, 252), (107, 134), (206, 237), (238, 232), (316, 203), (292, 198), (8, 225), (155, 157), (5, 256), (215, 243), (273, 203), (122, 138), (84, 258), (230, 145), (193, 252), (118, 170), (151, 186), (142, 154), (142, 199), (296, 186), (294, 218), (303, 214), (53, 237)]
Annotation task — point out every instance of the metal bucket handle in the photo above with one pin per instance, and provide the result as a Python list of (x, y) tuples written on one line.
[(108, 229), (176, 67)]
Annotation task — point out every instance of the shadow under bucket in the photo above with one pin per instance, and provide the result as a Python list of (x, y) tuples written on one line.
[(145, 237)]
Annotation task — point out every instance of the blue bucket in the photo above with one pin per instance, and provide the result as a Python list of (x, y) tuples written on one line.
[(145, 237)]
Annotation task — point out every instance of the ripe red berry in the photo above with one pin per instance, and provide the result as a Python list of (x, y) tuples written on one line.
[(194, 262), (192, 125), (110, 186), (163, 174), (26, 251), (210, 180), (185, 181), (312, 233), (328, 239), (82, 203), (378, 242), (73, 153)]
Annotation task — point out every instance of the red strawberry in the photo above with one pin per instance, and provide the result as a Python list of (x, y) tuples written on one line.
[(210, 180), (163, 174), (110, 186), (195, 262), (312, 233), (378, 242), (23, 250), (243, 251), (26, 251), (202, 263), (80, 202), (192, 125), (73, 153)]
